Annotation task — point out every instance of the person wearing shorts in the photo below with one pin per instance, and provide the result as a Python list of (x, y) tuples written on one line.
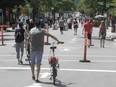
[(61, 25), (102, 34), (88, 29), (36, 48)]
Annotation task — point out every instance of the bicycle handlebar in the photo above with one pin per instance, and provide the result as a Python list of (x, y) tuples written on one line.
[(53, 47)]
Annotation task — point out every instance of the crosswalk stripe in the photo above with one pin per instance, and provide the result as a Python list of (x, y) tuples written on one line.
[(105, 56), (67, 60), (35, 85), (61, 69)]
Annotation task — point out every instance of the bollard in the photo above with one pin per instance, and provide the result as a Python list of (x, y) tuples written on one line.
[(2, 31), (47, 38), (2, 36), (85, 49)]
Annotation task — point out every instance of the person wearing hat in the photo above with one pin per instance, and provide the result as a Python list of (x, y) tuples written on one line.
[(37, 45)]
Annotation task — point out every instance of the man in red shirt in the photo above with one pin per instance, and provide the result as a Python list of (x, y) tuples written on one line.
[(88, 29)]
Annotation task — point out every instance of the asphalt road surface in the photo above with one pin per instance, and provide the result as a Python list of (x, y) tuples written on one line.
[(100, 72)]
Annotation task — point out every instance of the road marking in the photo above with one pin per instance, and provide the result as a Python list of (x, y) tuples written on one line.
[(44, 75), (66, 49), (68, 60), (35, 85), (73, 40), (61, 69), (79, 55)]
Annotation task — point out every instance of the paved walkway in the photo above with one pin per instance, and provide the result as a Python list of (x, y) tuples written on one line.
[(111, 35)]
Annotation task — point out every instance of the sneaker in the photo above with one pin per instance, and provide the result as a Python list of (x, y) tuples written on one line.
[(18, 62), (33, 77), (37, 81), (21, 61), (88, 45)]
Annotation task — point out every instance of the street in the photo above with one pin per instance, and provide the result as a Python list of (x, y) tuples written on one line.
[(100, 72)]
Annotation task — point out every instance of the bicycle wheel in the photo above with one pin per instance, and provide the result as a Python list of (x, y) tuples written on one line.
[(28, 53), (54, 75)]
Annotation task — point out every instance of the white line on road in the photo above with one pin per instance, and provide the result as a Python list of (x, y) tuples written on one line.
[(35, 85), (68, 60), (61, 69), (105, 56)]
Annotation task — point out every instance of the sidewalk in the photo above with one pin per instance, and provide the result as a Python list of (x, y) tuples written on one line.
[(110, 35)]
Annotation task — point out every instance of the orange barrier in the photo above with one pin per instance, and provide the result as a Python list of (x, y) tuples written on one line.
[(2, 32), (85, 49)]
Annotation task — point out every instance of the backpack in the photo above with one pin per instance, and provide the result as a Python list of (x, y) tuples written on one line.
[(19, 37), (75, 25)]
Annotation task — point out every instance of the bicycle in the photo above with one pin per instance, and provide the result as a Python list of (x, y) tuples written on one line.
[(27, 48), (53, 61)]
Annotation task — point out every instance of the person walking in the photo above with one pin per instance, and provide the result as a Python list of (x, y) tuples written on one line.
[(88, 29), (102, 34), (37, 45), (19, 40), (70, 21), (26, 40), (61, 25), (75, 26)]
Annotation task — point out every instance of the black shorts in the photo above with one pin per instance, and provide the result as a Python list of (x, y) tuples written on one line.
[(89, 36), (102, 35), (61, 28)]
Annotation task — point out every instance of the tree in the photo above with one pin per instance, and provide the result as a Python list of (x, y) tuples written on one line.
[(112, 7), (59, 5), (6, 5), (93, 7), (10, 4), (42, 6)]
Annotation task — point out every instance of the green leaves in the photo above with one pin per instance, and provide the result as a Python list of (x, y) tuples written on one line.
[(10, 4), (59, 5), (92, 6)]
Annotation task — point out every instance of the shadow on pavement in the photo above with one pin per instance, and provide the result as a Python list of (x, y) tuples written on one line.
[(58, 83)]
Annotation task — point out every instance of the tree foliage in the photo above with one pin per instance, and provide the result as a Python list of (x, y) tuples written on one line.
[(11, 3), (112, 8), (59, 5), (93, 7)]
